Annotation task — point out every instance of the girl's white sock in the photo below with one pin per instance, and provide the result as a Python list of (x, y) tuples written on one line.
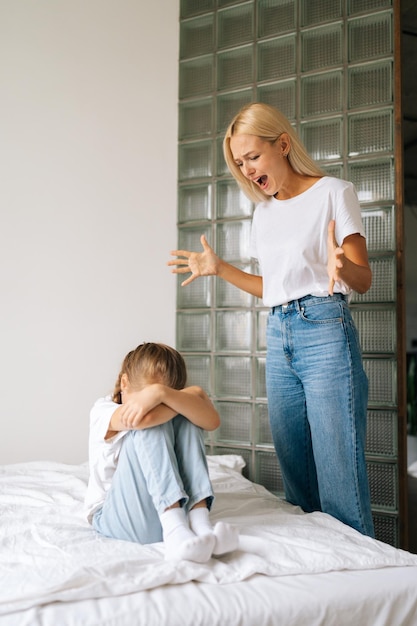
[(180, 541), (200, 521), (226, 536)]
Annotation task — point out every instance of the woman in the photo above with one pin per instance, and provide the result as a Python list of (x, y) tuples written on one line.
[(308, 238)]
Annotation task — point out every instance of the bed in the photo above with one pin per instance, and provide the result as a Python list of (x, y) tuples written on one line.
[(291, 568)]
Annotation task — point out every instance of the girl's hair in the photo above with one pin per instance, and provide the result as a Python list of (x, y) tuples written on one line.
[(152, 362), (267, 123)]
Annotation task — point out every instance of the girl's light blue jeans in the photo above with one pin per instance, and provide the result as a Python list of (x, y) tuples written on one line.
[(157, 467), (317, 400)]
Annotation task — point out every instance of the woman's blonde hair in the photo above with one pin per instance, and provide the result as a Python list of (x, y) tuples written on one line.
[(152, 362), (267, 123)]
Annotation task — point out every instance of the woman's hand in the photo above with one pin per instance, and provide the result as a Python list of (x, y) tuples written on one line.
[(204, 263), (335, 257), (348, 262)]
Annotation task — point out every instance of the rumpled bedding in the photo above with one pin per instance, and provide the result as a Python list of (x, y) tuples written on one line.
[(49, 553)]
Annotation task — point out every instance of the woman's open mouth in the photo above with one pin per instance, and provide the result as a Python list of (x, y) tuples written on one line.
[(262, 181)]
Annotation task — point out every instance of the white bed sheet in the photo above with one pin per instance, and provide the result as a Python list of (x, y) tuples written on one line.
[(291, 568)]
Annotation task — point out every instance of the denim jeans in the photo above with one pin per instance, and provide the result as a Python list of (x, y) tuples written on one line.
[(157, 467), (317, 400)]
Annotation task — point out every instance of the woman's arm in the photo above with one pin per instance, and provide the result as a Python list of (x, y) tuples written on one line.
[(348, 262), (207, 263), (156, 404)]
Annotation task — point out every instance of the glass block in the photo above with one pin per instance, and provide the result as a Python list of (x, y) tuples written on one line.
[(387, 529), (379, 225), (197, 36), (233, 240), (228, 295), (231, 201), (260, 377), (198, 369), (228, 105), (233, 376), (277, 58), (196, 77), (235, 25), (323, 139), (381, 433), (281, 95), (193, 332), (377, 330), (195, 160), (235, 68), (233, 331), (194, 203), (189, 238), (359, 6), (268, 472), (261, 323), (235, 422), (275, 17), (244, 453), (188, 8), (370, 37), (196, 295), (323, 11), (263, 429), (382, 376), (333, 169), (226, 3), (321, 93), (221, 167), (371, 132), (370, 85), (195, 119), (321, 47), (374, 180), (383, 484), (383, 287)]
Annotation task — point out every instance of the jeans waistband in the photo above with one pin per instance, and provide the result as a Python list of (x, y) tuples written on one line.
[(297, 304)]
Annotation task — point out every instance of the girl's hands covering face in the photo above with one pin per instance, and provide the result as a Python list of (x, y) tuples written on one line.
[(136, 404)]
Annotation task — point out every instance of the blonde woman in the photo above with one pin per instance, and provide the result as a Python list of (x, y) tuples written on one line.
[(308, 238)]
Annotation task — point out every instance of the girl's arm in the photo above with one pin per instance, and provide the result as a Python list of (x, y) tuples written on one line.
[(207, 263), (348, 262), (156, 404)]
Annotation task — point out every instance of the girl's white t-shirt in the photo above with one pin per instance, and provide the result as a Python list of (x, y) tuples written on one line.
[(103, 455), (289, 239)]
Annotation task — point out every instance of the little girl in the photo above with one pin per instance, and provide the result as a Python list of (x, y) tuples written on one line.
[(149, 479)]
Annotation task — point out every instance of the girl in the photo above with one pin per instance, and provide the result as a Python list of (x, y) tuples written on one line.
[(149, 480)]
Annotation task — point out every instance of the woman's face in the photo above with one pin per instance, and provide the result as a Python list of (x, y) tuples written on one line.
[(262, 162)]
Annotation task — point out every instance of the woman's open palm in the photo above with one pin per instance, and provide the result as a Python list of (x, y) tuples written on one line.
[(203, 263)]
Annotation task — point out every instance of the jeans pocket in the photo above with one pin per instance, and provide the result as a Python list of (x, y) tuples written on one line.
[(323, 312)]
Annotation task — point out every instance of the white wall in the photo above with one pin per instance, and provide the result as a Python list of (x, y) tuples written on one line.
[(88, 130)]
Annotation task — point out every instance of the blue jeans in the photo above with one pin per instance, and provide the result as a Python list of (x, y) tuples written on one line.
[(157, 467), (317, 400)]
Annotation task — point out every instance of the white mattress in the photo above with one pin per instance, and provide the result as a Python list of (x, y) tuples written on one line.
[(291, 568)]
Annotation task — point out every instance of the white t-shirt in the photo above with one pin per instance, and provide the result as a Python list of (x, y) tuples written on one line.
[(289, 239), (103, 454)]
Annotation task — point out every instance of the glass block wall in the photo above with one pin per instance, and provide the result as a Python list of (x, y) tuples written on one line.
[(328, 66)]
